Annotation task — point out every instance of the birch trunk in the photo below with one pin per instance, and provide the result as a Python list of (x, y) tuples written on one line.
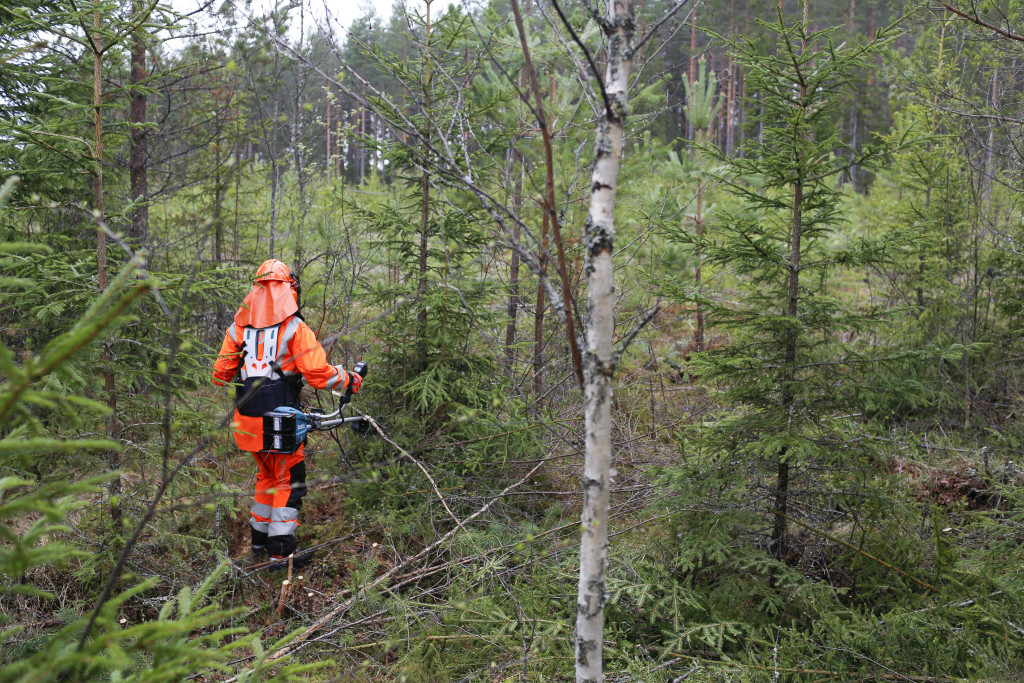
[(599, 365)]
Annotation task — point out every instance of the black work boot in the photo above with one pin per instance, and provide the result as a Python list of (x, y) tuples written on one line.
[(300, 560), (259, 542)]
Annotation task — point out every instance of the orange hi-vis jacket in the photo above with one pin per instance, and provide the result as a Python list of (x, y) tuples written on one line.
[(296, 351)]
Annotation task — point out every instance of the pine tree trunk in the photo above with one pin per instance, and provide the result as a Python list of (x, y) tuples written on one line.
[(922, 254), (599, 368), (741, 111), (273, 162), (238, 187), (854, 143)]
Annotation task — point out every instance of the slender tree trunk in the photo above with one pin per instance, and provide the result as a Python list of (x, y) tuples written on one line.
[(854, 143), (779, 528), (698, 337), (362, 118), (599, 232), (720, 128), (273, 160), (538, 320), (299, 161), (730, 100), (760, 116), (137, 166), (113, 457), (218, 201), (741, 114), (97, 103), (779, 536), (376, 136), (690, 132), (273, 201), (990, 172), (421, 288), (238, 187), (549, 197), (513, 270), (922, 254), (327, 130), (872, 26)]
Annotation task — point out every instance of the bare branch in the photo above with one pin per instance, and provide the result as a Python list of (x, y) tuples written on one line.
[(975, 19)]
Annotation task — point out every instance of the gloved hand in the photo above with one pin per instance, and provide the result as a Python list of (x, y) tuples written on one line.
[(355, 381)]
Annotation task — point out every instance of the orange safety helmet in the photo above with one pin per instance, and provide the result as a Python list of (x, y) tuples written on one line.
[(274, 296)]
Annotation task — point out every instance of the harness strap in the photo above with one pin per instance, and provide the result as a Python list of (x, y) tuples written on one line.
[(265, 349)]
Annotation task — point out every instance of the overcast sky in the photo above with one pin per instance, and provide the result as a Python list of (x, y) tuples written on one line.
[(343, 11)]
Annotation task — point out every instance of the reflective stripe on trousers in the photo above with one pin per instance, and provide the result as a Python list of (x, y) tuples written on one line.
[(280, 488), (284, 521)]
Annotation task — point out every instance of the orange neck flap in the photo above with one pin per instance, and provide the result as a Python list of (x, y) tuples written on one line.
[(269, 303)]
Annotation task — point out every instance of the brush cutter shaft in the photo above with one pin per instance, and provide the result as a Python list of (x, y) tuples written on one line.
[(331, 424)]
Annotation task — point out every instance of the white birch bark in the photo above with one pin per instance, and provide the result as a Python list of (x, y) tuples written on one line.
[(599, 365)]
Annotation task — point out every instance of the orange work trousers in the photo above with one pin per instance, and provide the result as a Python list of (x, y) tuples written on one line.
[(280, 488)]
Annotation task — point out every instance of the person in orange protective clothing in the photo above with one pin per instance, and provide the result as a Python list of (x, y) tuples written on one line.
[(270, 349)]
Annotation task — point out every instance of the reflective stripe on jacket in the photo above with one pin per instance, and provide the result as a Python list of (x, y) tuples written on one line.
[(294, 347)]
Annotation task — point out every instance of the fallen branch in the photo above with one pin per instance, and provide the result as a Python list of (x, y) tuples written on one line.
[(407, 455)]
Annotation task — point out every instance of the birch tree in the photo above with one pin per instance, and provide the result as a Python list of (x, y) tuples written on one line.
[(599, 362)]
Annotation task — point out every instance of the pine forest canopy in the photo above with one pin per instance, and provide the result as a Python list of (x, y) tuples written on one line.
[(707, 313)]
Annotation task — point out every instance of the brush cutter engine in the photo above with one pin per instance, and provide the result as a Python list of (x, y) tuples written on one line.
[(285, 428)]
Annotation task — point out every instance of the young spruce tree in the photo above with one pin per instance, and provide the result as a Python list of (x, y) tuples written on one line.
[(784, 367)]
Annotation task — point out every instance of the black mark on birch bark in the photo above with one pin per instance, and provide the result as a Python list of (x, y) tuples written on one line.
[(582, 648)]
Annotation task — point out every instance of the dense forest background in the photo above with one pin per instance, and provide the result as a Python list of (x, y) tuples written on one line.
[(818, 381)]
